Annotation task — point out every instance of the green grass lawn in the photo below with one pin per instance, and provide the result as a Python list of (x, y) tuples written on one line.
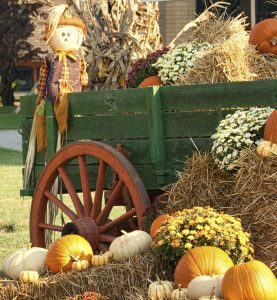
[(14, 211), (9, 119)]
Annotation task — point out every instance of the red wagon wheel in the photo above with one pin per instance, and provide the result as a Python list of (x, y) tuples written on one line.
[(88, 218)]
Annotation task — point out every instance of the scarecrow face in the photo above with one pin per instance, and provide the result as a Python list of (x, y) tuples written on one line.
[(66, 37)]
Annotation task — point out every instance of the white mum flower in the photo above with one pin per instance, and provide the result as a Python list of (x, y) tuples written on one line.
[(236, 132)]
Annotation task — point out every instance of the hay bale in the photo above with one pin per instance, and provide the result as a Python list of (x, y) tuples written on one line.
[(232, 58), (230, 61), (255, 202), (201, 182), (126, 280), (249, 194)]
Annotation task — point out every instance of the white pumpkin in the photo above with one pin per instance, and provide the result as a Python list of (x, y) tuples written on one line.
[(204, 285), (26, 259), (101, 260), (179, 294), (130, 244), (160, 290)]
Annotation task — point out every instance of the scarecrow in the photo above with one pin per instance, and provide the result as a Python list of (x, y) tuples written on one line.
[(62, 71)]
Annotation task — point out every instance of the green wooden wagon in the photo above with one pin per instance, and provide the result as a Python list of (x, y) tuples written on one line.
[(125, 145)]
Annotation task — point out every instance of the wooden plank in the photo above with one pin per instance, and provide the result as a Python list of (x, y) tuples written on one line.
[(108, 127), (27, 106), (220, 95), (139, 148), (107, 102), (178, 149), (192, 124), (157, 147)]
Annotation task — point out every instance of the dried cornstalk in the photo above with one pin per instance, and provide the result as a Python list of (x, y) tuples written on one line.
[(118, 32)]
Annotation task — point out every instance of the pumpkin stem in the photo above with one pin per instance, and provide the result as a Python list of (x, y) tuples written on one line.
[(124, 232), (212, 293), (274, 40), (75, 258), (158, 279)]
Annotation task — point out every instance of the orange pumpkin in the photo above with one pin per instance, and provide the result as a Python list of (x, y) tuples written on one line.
[(150, 81), (66, 250), (250, 281), (204, 260), (270, 129), (264, 36), (157, 224)]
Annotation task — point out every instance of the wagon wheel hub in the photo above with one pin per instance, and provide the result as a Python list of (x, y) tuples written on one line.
[(85, 227)]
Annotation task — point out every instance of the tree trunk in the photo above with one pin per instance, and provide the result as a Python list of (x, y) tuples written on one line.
[(6, 89)]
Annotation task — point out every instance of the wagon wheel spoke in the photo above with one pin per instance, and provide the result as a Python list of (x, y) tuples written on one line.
[(85, 185), (103, 216), (72, 192), (97, 204), (50, 227), (72, 216), (106, 238), (117, 221)]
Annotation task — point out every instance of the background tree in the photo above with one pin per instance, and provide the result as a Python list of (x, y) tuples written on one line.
[(16, 25)]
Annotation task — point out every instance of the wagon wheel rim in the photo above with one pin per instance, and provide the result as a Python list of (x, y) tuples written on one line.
[(89, 215)]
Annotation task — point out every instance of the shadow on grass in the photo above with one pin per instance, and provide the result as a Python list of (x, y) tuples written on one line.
[(2, 275), (10, 158)]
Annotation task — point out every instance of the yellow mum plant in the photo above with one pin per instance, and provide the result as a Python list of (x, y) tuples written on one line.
[(200, 226)]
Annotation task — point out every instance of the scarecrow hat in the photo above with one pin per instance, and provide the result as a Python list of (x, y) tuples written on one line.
[(62, 15)]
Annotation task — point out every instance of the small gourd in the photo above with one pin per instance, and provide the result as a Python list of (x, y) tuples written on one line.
[(101, 260), (202, 286), (130, 244), (29, 277), (266, 149), (80, 265), (160, 289), (179, 293)]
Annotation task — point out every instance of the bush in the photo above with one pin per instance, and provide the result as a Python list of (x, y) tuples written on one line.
[(200, 226), (143, 68), (179, 60), (237, 132)]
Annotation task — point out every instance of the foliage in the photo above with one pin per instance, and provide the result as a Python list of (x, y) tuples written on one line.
[(236, 132), (179, 60), (144, 68), (16, 26), (200, 226)]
